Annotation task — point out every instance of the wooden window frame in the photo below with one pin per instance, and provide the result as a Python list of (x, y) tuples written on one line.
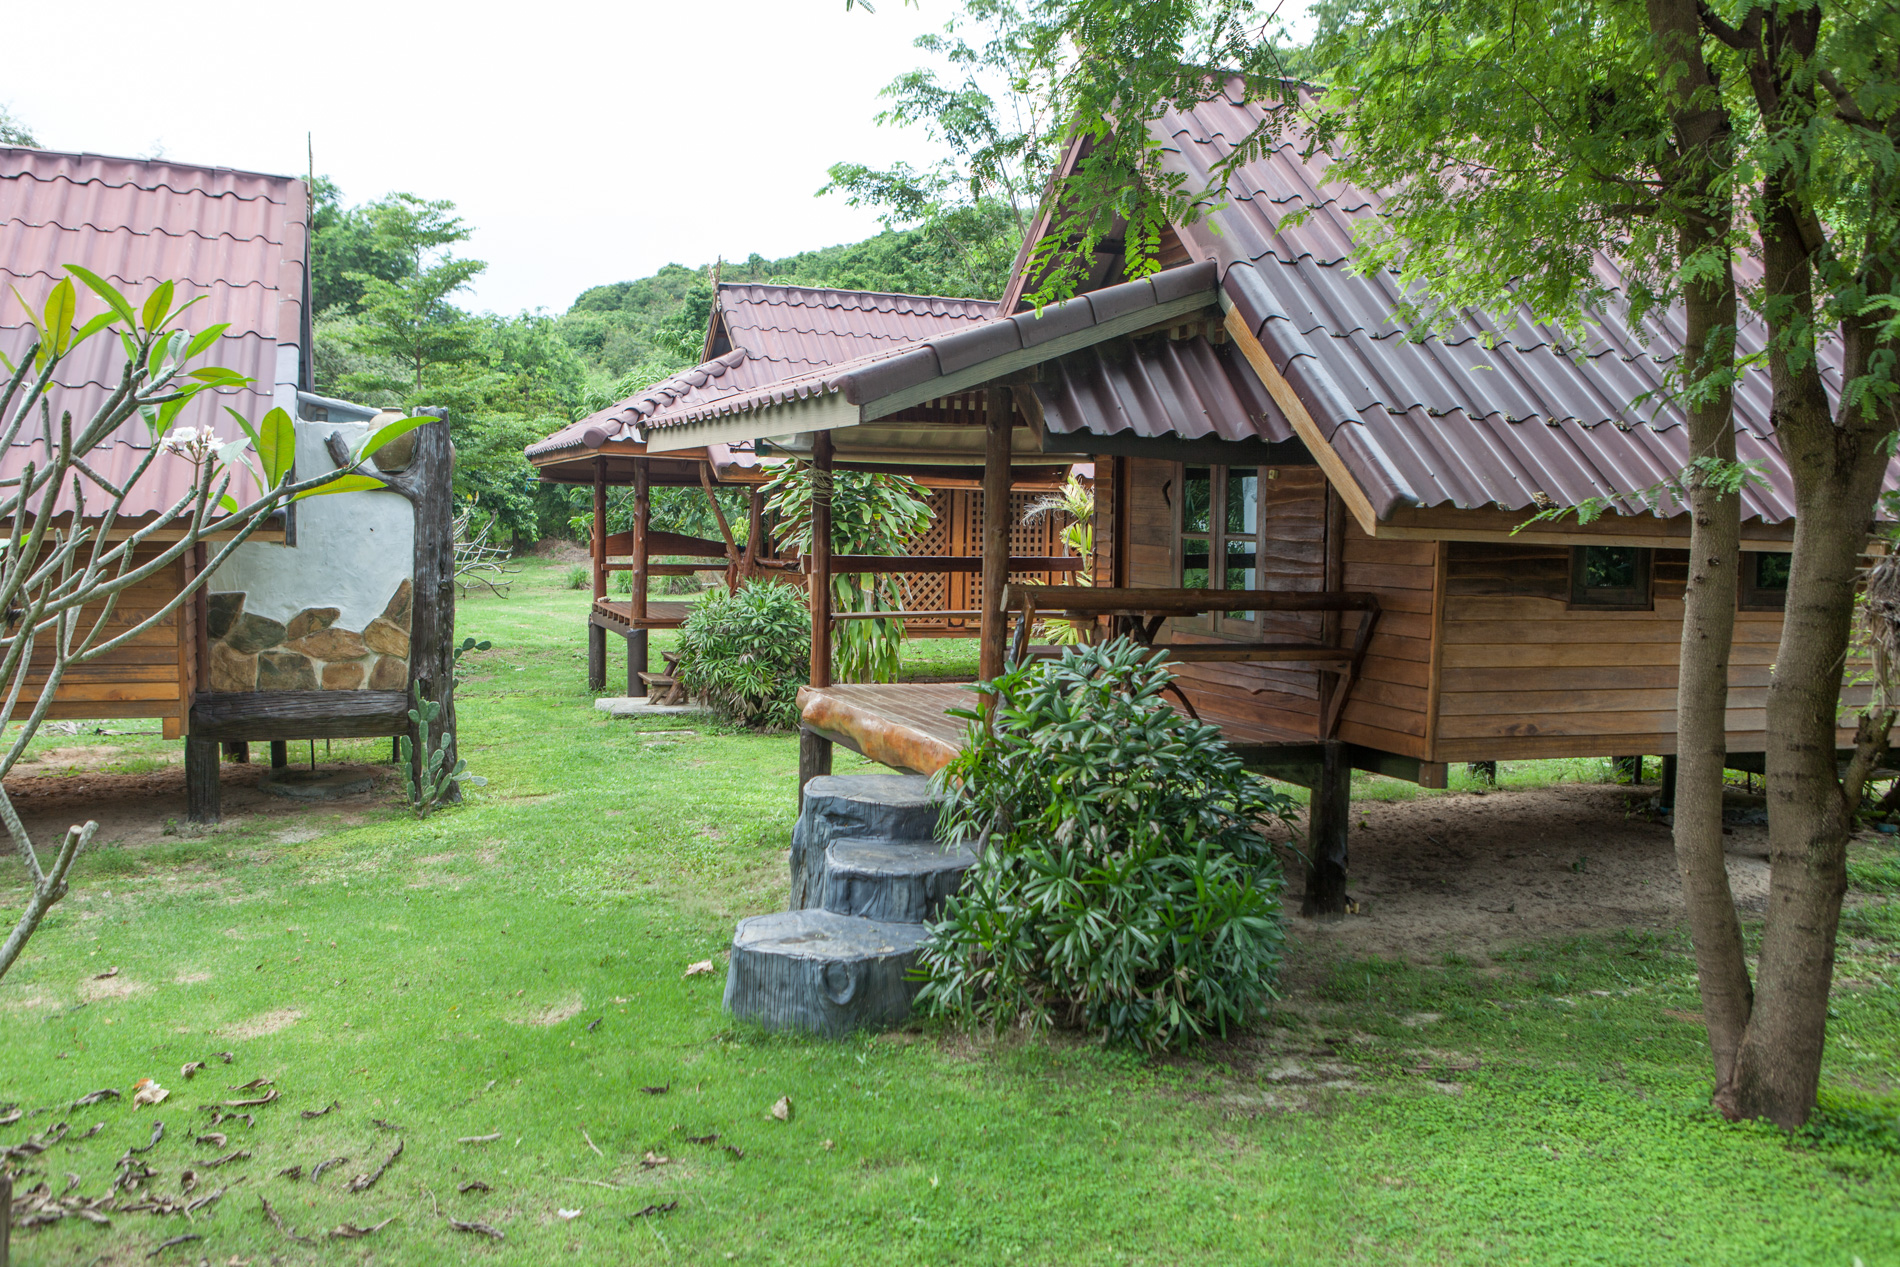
[(1217, 536), (1751, 595), (1636, 598)]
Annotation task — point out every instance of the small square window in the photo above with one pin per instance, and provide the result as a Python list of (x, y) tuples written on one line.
[(1615, 577), (1765, 580)]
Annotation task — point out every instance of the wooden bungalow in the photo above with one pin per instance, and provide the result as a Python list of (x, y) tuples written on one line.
[(306, 631), (758, 335), (1319, 513)]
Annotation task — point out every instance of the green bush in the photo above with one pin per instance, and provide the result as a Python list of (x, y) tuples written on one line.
[(1125, 882), (577, 577), (747, 654)]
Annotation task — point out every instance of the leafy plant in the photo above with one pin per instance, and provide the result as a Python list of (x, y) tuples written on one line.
[(1125, 883), (577, 577), (871, 513), (1075, 501), (437, 786), (747, 653)]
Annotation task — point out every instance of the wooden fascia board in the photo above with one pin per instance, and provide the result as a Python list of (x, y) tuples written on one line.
[(1295, 409), (1501, 527), (825, 411), (998, 367)]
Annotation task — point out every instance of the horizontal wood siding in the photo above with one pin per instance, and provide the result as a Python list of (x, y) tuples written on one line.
[(143, 678), (1390, 705), (1525, 675)]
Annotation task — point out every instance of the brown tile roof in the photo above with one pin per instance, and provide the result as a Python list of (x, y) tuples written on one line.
[(1156, 387), (1444, 419), (236, 238), (780, 335)]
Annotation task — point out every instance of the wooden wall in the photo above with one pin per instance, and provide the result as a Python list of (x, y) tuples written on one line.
[(151, 676), (1390, 704), (1525, 675)]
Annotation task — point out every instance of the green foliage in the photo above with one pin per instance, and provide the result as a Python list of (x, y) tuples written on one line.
[(1075, 501), (747, 653), (344, 246), (577, 577), (871, 513), (1125, 884), (14, 132), (1876, 873)]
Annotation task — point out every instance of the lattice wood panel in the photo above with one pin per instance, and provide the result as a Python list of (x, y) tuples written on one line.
[(956, 528)]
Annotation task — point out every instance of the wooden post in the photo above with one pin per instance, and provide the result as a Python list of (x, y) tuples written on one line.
[(642, 513), (202, 799), (814, 759), (6, 1217), (432, 618), (1328, 814), (596, 657), (237, 750), (820, 571), (1335, 580), (636, 661), (279, 754), (1628, 769), (599, 541), (1668, 801), (997, 416)]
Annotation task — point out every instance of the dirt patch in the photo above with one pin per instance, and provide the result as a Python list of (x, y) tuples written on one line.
[(191, 978), (259, 1026), (139, 809), (557, 551), (553, 1014), (1476, 871), (96, 991)]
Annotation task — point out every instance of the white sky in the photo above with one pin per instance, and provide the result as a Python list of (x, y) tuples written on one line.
[(586, 142)]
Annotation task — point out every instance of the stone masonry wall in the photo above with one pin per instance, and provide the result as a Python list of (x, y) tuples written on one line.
[(309, 652)]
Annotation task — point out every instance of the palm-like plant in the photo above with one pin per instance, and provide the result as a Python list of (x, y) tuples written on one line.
[(1076, 500)]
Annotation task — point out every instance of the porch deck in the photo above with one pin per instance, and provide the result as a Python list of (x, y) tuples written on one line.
[(907, 726), (659, 615)]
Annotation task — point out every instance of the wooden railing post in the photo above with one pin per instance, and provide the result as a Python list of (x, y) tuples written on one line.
[(642, 512), (997, 418), (820, 577), (599, 542)]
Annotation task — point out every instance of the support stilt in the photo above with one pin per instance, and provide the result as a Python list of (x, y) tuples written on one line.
[(814, 759), (596, 657), (819, 573), (202, 790), (998, 413), (238, 750), (636, 661), (1628, 769), (1669, 782), (1328, 815), (279, 754)]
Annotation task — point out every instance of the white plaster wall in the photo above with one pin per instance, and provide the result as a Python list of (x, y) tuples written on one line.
[(352, 551)]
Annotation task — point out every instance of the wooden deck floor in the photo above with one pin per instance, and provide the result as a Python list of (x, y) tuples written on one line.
[(659, 615), (907, 725)]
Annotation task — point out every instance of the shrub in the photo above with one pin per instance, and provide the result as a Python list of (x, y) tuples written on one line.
[(577, 578), (1125, 882), (747, 654)]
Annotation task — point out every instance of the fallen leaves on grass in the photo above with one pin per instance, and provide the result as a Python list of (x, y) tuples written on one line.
[(158, 1133), (697, 969), (653, 1159), (651, 1210), (479, 1139), (351, 1232), (363, 1183), (96, 1097), (474, 1185), (703, 1139), (147, 1091), (783, 1109), (259, 1102), (590, 1142), (10, 1113), (107, 975), (316, 1171), (309, 1114), (186, 1239), (211, 1139), (238, 1155), (226, 1056), (594, 1024), (658, 1090), (252, 1085), (480, 1229), (569, 1214), (381, 1125), (191, 1069), (219, 1116), (277, 1221), (292, 1173)]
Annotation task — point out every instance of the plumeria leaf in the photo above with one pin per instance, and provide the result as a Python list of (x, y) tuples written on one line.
[(158, 306), (205, 338), (390, 431), (94, 326), (228, 504), (277, 446), (106, 291), (60, 306), (343, 484)]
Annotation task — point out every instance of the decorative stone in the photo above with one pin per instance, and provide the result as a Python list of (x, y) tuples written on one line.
[(332, 644), (821, 972), (220, 611), (397, 613), (309, 620), (386, 639), (251, 632), (285, 671), (840, 806), (231, 670), (391, 673), (304, 784), (894, 881), (342, 677), (643, 706)]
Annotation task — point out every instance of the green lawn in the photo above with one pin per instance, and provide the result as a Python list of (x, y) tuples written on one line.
[(513, 968)]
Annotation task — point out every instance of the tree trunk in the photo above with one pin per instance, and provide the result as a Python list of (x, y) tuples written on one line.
[(1703, 154)]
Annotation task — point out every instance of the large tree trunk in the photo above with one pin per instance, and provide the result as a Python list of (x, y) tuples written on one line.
[(1703, 154)]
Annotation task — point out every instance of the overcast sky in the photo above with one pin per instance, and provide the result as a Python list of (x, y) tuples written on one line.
[(585, 142)]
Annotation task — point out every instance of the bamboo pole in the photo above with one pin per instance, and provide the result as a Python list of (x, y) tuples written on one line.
[(820, 572), (997, 418)]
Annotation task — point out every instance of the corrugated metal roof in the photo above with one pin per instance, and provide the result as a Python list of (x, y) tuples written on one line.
[(1503, 412), (1157, 387), (237, 238), (781, 335)]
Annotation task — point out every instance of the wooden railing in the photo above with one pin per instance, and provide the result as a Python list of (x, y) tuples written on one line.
[(915, 563), (1139, 614)]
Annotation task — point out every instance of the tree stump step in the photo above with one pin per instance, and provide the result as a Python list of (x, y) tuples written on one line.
[(821, 972), (896, 881), (860, 806)]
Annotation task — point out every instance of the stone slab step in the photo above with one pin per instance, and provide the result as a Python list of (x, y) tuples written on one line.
[(897, 881), (855, 806), (821, 972)]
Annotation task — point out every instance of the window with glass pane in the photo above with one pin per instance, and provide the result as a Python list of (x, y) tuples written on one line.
[(1221, 531), (1609, 576), (1765, 580)]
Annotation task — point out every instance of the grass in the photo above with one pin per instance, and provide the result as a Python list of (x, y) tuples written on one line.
[(513, 967)]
